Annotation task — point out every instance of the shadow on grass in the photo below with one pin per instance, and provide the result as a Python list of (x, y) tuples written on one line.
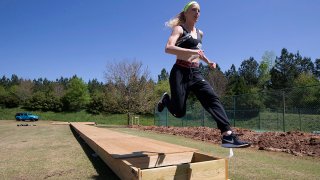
[(104, 172)]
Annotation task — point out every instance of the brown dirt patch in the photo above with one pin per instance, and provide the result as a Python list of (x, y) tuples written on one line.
[(293, 142)]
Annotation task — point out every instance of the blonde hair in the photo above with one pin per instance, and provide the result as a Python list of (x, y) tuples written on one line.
[(180, 18), (176, 21)]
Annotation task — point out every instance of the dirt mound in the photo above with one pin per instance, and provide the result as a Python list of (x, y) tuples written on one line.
[(293, 142)]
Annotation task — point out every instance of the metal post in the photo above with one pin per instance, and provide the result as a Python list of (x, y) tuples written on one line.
[(166, 117), (234, 111), (203, 117), (283, 111), (300, 119), (277, 118), (181, 122), (259, 120), (154, 117)]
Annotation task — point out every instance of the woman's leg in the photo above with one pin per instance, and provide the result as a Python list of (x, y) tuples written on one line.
[(212, 104), (179, 92), (210, 101)]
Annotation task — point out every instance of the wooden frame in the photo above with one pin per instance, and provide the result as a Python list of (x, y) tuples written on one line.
[(142, 165)]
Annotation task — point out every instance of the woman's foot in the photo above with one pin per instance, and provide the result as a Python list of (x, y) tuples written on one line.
[(232, 141), (161, 104)]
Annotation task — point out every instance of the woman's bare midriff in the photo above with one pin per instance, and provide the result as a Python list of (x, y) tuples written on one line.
[(192, 59)]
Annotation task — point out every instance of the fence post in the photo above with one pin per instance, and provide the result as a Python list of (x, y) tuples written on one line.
[(182, 125), (283, 111), (203, 117), (186, 119), (234, 111), (259, 120), (277, 118), (154, 117), (300, 119), (166, 117)]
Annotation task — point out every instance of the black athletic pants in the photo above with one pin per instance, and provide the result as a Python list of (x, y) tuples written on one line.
[(182, 81)]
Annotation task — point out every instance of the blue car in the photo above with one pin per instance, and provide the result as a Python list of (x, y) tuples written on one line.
[(26, 116)]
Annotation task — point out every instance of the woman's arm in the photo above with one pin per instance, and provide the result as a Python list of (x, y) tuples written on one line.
[(203, 57), (171, 47)]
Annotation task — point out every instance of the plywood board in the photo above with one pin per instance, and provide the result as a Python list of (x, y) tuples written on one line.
[(120, 145), (137, 158), (208, 170)]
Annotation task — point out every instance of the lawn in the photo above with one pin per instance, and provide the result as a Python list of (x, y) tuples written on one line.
[(248, 163), (81, 116), (48, 151), (264, 121)]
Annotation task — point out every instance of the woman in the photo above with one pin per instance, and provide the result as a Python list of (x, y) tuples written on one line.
[(185, 42)]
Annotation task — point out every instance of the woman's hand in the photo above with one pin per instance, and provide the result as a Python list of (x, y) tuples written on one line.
[(201, 54), (212, 65)]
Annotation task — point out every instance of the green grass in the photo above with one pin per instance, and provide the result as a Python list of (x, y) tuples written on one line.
[(247, 163), (265, 121), (81, 116), (272, 121), (50, 151), (46, 151)]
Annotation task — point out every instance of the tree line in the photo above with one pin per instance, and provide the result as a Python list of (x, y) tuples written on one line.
[(128, 87)]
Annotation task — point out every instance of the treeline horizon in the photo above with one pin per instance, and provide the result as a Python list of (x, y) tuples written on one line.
[(128, 87)]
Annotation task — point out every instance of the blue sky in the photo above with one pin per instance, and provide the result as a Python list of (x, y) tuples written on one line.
[(54, 38)]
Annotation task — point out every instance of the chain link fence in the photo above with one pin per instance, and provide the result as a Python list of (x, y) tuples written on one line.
[(281, 110)]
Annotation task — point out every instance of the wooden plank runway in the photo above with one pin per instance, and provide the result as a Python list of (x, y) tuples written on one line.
[(120, 145), (133, 157)]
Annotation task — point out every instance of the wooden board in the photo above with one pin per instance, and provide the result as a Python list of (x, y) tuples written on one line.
[(68, 123), (120, 145), (137, 158), (214, 169)]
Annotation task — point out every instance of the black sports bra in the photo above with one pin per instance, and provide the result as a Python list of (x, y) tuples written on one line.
[(187, 41)]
